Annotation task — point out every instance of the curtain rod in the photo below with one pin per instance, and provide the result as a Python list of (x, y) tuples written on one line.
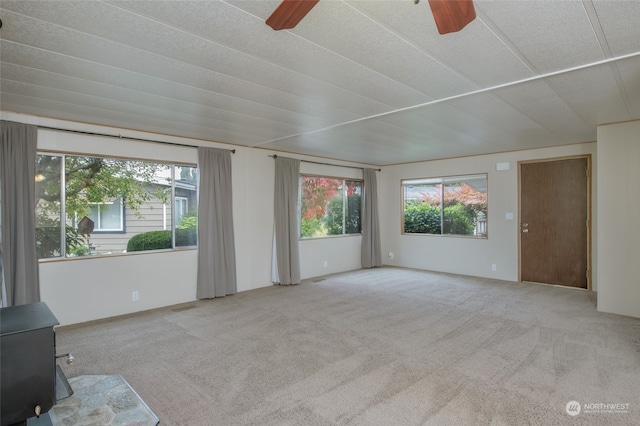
[(329, 164), (233, 151)]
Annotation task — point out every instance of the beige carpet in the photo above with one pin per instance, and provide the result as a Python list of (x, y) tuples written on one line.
[(387, 346)]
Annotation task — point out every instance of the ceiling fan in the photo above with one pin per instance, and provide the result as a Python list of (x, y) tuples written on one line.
[(450, 15)]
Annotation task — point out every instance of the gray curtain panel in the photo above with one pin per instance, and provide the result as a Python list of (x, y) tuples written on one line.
[(3, 292), (287, 256), (371, 254), (216, 241), (17, 183)]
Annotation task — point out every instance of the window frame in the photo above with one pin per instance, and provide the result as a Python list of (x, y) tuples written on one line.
[(184, 206), (344, 205), (98, 229), (443, 181), (63, 252)]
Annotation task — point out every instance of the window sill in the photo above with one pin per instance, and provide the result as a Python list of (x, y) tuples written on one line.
[(324, 237), (470, 237), (110, 255)]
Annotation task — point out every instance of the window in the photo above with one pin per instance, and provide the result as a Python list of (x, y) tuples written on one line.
[(182, 208), (107, 216), (329, 206), (98, 206), (455, 205), (185, 190)]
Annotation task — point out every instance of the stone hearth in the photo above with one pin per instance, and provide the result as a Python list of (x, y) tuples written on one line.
[(102, 400)]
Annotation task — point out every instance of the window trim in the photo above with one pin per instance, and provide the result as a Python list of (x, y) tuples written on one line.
[(344, 198), (443, 180), (63, 154)]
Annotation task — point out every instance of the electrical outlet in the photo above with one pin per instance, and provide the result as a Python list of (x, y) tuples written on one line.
[(326, 264), (494, 267), (390, 255), (135, 296)]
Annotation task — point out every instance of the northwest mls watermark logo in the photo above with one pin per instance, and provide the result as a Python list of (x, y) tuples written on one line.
[(573, 408)]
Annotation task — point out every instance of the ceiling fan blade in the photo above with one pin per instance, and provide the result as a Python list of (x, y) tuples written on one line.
[(452, 15), (289, 13)]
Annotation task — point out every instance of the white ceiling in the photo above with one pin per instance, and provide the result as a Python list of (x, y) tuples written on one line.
[(365, 81)]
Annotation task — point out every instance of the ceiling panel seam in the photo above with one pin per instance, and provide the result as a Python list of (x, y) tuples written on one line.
[(463, 95), (531, 66), (204, 106), (350, 93), (269, 62), (491, 26), (598, 32), (181, 84), (330, 51), (623, 90), (253, 129), (40, 97), (594, 20), (425, 52), (165, 131)]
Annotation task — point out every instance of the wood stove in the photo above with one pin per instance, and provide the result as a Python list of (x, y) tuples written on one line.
[(28, 349)]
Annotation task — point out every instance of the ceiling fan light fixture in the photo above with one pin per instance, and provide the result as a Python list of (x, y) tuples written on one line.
[(452, 15), (289, 13)]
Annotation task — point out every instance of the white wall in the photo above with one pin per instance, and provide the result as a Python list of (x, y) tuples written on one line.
[(467, 256), (93, 288), (340, 253), (79, 290), (618, 218)]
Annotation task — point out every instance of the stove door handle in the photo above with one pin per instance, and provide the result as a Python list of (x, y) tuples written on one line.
[(70, 358)]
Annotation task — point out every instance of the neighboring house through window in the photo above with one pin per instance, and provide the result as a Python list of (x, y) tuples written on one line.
[(130, 203), (107, 216), (182, 209)]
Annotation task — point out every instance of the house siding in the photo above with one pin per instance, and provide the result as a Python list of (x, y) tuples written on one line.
[(152, 218)]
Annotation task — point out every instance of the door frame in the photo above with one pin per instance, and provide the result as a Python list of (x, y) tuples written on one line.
[(589, 223)]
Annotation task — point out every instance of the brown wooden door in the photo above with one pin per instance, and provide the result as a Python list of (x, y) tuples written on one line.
[(553, 222)]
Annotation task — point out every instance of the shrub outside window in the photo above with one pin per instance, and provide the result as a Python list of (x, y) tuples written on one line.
[(329, 206), (455, 205), (98, 206)]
